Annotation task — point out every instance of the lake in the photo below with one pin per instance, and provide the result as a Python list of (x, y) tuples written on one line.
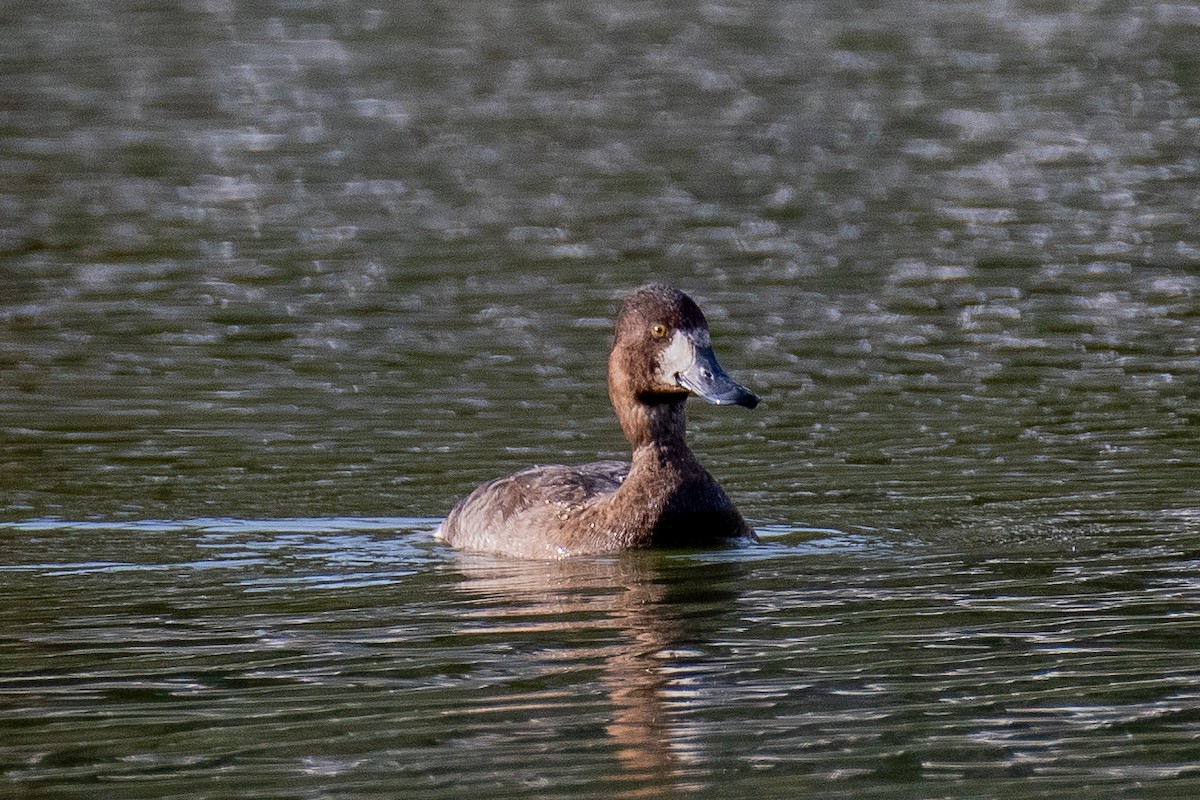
[(283, 280)]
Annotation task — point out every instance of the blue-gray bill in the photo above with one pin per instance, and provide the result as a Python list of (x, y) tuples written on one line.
[(705, 378)]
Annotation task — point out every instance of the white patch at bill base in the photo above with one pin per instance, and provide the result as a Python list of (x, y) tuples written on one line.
[(678, 356)]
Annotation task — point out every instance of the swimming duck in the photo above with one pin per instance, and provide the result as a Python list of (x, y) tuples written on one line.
[(660, 356)]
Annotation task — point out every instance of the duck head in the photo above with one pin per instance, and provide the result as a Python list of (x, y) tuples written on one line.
[(663, 353)]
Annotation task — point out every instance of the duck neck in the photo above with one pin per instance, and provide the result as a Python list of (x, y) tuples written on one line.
[(665, 482), (660, 427)]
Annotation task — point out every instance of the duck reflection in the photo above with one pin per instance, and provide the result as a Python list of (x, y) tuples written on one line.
[(646, 618)]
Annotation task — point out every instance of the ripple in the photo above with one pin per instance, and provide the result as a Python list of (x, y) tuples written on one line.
[(281, 284)]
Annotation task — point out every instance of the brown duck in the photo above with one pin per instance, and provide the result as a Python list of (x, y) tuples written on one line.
[(664, 498)]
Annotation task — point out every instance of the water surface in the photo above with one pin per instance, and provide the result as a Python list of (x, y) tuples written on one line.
[(347, 658), (281, 281)]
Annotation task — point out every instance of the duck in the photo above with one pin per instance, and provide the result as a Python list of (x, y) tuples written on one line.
[(663, 497)]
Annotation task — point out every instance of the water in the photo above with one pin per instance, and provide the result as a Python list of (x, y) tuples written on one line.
[(218, 658), (281, 281)]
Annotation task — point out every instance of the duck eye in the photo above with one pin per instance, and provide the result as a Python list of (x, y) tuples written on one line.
[(658, 330)]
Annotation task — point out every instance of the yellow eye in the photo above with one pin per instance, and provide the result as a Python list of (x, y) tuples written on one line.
[(658, 330)]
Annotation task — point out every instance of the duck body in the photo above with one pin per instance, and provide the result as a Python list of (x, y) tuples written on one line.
[(662, 498)]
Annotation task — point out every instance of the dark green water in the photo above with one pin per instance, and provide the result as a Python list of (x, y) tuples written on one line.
[(281, 281)]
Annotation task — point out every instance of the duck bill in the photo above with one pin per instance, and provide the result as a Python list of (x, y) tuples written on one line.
[(705, 378)]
